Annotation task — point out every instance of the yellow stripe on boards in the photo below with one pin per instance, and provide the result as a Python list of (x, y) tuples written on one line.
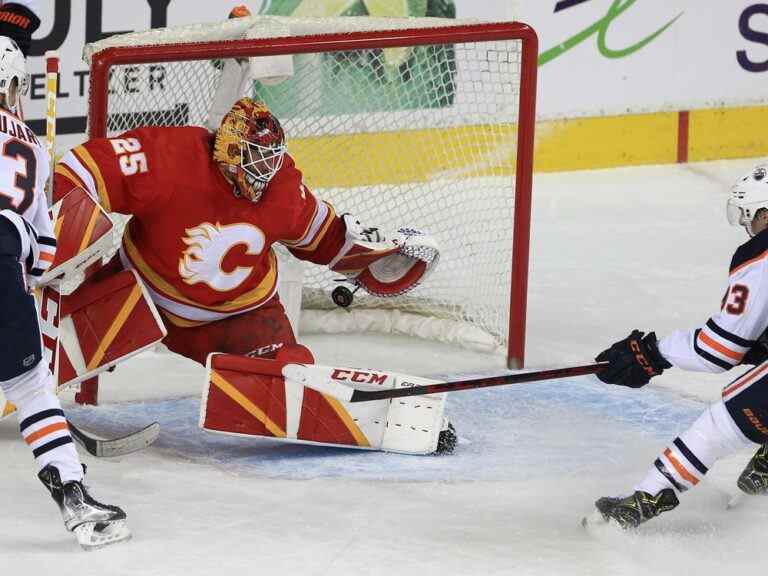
[(420, 156), (222, 384), (364, 159), (606, 142), (728, 133)]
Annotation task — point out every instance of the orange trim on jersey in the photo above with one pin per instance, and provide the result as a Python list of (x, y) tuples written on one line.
[(715, 345), (757, 258), (303, 235), (45, 431), (680, 468), (69, 175), (222, 384), (101, 188), (348, 421), (114, 328), (746, 379), (330, 217), (88, 234), (250, 299), (46, 257)]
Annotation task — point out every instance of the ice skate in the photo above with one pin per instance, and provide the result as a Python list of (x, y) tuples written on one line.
[(446, 442), (94, 524), (754, 479), (633, 510)]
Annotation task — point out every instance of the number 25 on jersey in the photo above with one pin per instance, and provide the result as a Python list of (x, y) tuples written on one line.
[(132, 160)]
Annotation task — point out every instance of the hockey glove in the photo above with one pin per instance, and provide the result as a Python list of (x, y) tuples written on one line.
[(388, 265), (633, 361), (758, 353)]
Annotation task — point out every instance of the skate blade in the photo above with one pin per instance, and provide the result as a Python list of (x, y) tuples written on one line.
[(95, 535)]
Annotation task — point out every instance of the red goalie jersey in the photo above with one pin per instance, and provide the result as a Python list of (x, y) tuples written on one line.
[(203, 253)]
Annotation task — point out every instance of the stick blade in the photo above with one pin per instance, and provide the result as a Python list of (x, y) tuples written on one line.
[(115, 447)]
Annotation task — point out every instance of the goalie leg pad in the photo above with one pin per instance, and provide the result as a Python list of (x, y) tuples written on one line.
[(250, 397), (103, 323)]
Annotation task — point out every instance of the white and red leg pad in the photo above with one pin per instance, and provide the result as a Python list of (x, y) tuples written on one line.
[(250, 397), (103, 323)]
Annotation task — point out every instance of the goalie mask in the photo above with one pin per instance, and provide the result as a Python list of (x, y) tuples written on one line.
[(748, 195), (13, 74), (249, 147)]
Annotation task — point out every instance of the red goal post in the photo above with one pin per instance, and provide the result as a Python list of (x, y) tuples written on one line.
[(391, 52)]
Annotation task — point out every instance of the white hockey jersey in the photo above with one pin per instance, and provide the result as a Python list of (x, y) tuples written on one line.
[(721, 343), (24, 170)]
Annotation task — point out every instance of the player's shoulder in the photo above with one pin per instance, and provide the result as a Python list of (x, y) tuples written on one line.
[(751, 252), (288, 179)]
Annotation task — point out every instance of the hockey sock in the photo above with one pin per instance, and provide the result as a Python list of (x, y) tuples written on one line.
[(42, 422), (684, 463)]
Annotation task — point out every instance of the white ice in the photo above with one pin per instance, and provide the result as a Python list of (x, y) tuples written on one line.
[(644, 248)]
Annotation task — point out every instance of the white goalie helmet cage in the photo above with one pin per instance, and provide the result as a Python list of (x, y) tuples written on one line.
[(12, 65), (748, 195)]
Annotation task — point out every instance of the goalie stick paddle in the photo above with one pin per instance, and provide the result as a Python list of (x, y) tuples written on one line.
[(346, 393), (110, 448)]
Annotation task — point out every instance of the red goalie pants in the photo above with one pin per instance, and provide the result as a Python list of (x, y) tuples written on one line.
[(261, 332)]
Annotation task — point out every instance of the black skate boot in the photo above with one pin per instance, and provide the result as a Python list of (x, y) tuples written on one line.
[(633, 510), (754, 479), (93, 523), (446, 442)]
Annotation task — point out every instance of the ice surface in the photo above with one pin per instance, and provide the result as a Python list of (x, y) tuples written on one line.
[(643, 248)]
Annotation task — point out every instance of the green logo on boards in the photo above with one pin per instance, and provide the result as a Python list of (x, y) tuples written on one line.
[(601, 27)]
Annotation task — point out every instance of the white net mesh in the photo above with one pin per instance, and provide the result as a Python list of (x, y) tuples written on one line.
[(418, 136)]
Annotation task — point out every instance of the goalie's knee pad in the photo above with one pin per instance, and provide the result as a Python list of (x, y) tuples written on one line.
[(295, 353)]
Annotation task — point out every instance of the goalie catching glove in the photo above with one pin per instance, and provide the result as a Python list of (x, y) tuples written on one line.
[(633, 361), (385, 266)]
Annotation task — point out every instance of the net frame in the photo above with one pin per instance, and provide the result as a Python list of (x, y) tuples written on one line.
[(104, 57)]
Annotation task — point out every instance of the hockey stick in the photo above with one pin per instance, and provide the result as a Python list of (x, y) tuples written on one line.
[(110, 448), (303, 375), (51, 91)]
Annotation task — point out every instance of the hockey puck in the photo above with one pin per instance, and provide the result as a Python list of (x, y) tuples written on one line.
[(342, 296)]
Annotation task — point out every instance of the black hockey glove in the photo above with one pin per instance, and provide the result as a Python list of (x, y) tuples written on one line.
[(633, 361), (758, 353), (18, 22)]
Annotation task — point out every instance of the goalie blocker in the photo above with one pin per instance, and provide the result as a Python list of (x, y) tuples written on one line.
[(103, 322), (246, 396)]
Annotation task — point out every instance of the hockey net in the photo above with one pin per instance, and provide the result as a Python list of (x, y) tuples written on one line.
[(425, 123)]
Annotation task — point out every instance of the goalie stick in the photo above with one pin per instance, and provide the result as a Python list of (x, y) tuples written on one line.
[(110, 448), (305, 375)]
